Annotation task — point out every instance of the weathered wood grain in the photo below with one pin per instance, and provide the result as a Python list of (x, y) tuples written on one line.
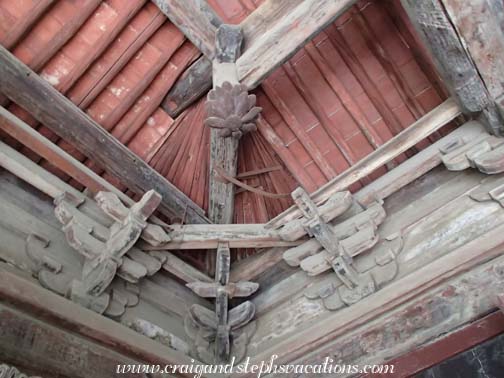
[(48, 349), (192, 84), (27, 89), (193, 236), (272, 34), (51, 185), (286, 36), (57, 310), (480, 243), (477, 22), (195, 19)]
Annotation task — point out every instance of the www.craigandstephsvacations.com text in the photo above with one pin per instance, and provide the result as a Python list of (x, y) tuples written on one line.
[(258, 369)]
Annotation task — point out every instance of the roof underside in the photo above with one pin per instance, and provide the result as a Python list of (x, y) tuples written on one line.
[(358, 83)]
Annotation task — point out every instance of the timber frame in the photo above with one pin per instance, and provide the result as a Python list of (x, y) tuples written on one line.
[(416, 253)]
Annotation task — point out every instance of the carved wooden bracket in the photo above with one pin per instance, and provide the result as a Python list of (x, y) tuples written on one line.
[(485, 153), (231, 110), (335, 247), (229, 107), (104, 249), (221, 330)]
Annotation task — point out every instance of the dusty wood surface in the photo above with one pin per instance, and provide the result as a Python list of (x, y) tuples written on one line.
[(51, 350), (52, 186), (435, 247), (56, 310), (419, 130), (21, 131), (193, 236), (285, 36), (438, 311), (478, 24), (192, 84), (195, 19), (460, 75), (273, 33), (28, 90), (380, 189), (456, 66)]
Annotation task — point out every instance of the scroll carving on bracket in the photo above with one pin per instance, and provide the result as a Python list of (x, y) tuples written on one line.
[(111, 263), (348, 248), (221, 334)]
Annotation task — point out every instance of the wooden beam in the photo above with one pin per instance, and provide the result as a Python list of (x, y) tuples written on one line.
[(65, 314), (28, 136), (195, 19), (318, 337), (464, 338), (454, 64), (28, 171), (37, 340), (478, 25), (285, 37), (195, 236), (420, 129), (28, 90), (224, 150), (381, 188), (272, 34), (192, 84)]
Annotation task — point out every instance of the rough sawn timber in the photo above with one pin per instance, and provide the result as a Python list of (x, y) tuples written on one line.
[(28, 90)]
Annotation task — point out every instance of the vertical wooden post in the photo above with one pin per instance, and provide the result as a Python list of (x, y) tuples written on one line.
[(223, 151)]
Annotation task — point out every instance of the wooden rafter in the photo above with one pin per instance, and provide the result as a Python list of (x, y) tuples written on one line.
[(422, 128), (28, 90), (272, 34)]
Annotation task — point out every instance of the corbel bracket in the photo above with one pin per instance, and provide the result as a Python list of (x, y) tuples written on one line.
[(485, 153), (222, 328), (102, 248)]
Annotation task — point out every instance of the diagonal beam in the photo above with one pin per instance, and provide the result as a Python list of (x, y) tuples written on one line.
[(272, 34), (196, 19), (28, 90)]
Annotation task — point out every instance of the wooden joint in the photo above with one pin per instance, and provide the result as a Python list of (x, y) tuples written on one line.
[(223, 328)]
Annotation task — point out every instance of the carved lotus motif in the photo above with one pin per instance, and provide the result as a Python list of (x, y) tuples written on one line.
[(231, 110)]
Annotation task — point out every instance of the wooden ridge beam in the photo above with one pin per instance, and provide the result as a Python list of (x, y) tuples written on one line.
[(273, 33), (28, 90), (420, 129)]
